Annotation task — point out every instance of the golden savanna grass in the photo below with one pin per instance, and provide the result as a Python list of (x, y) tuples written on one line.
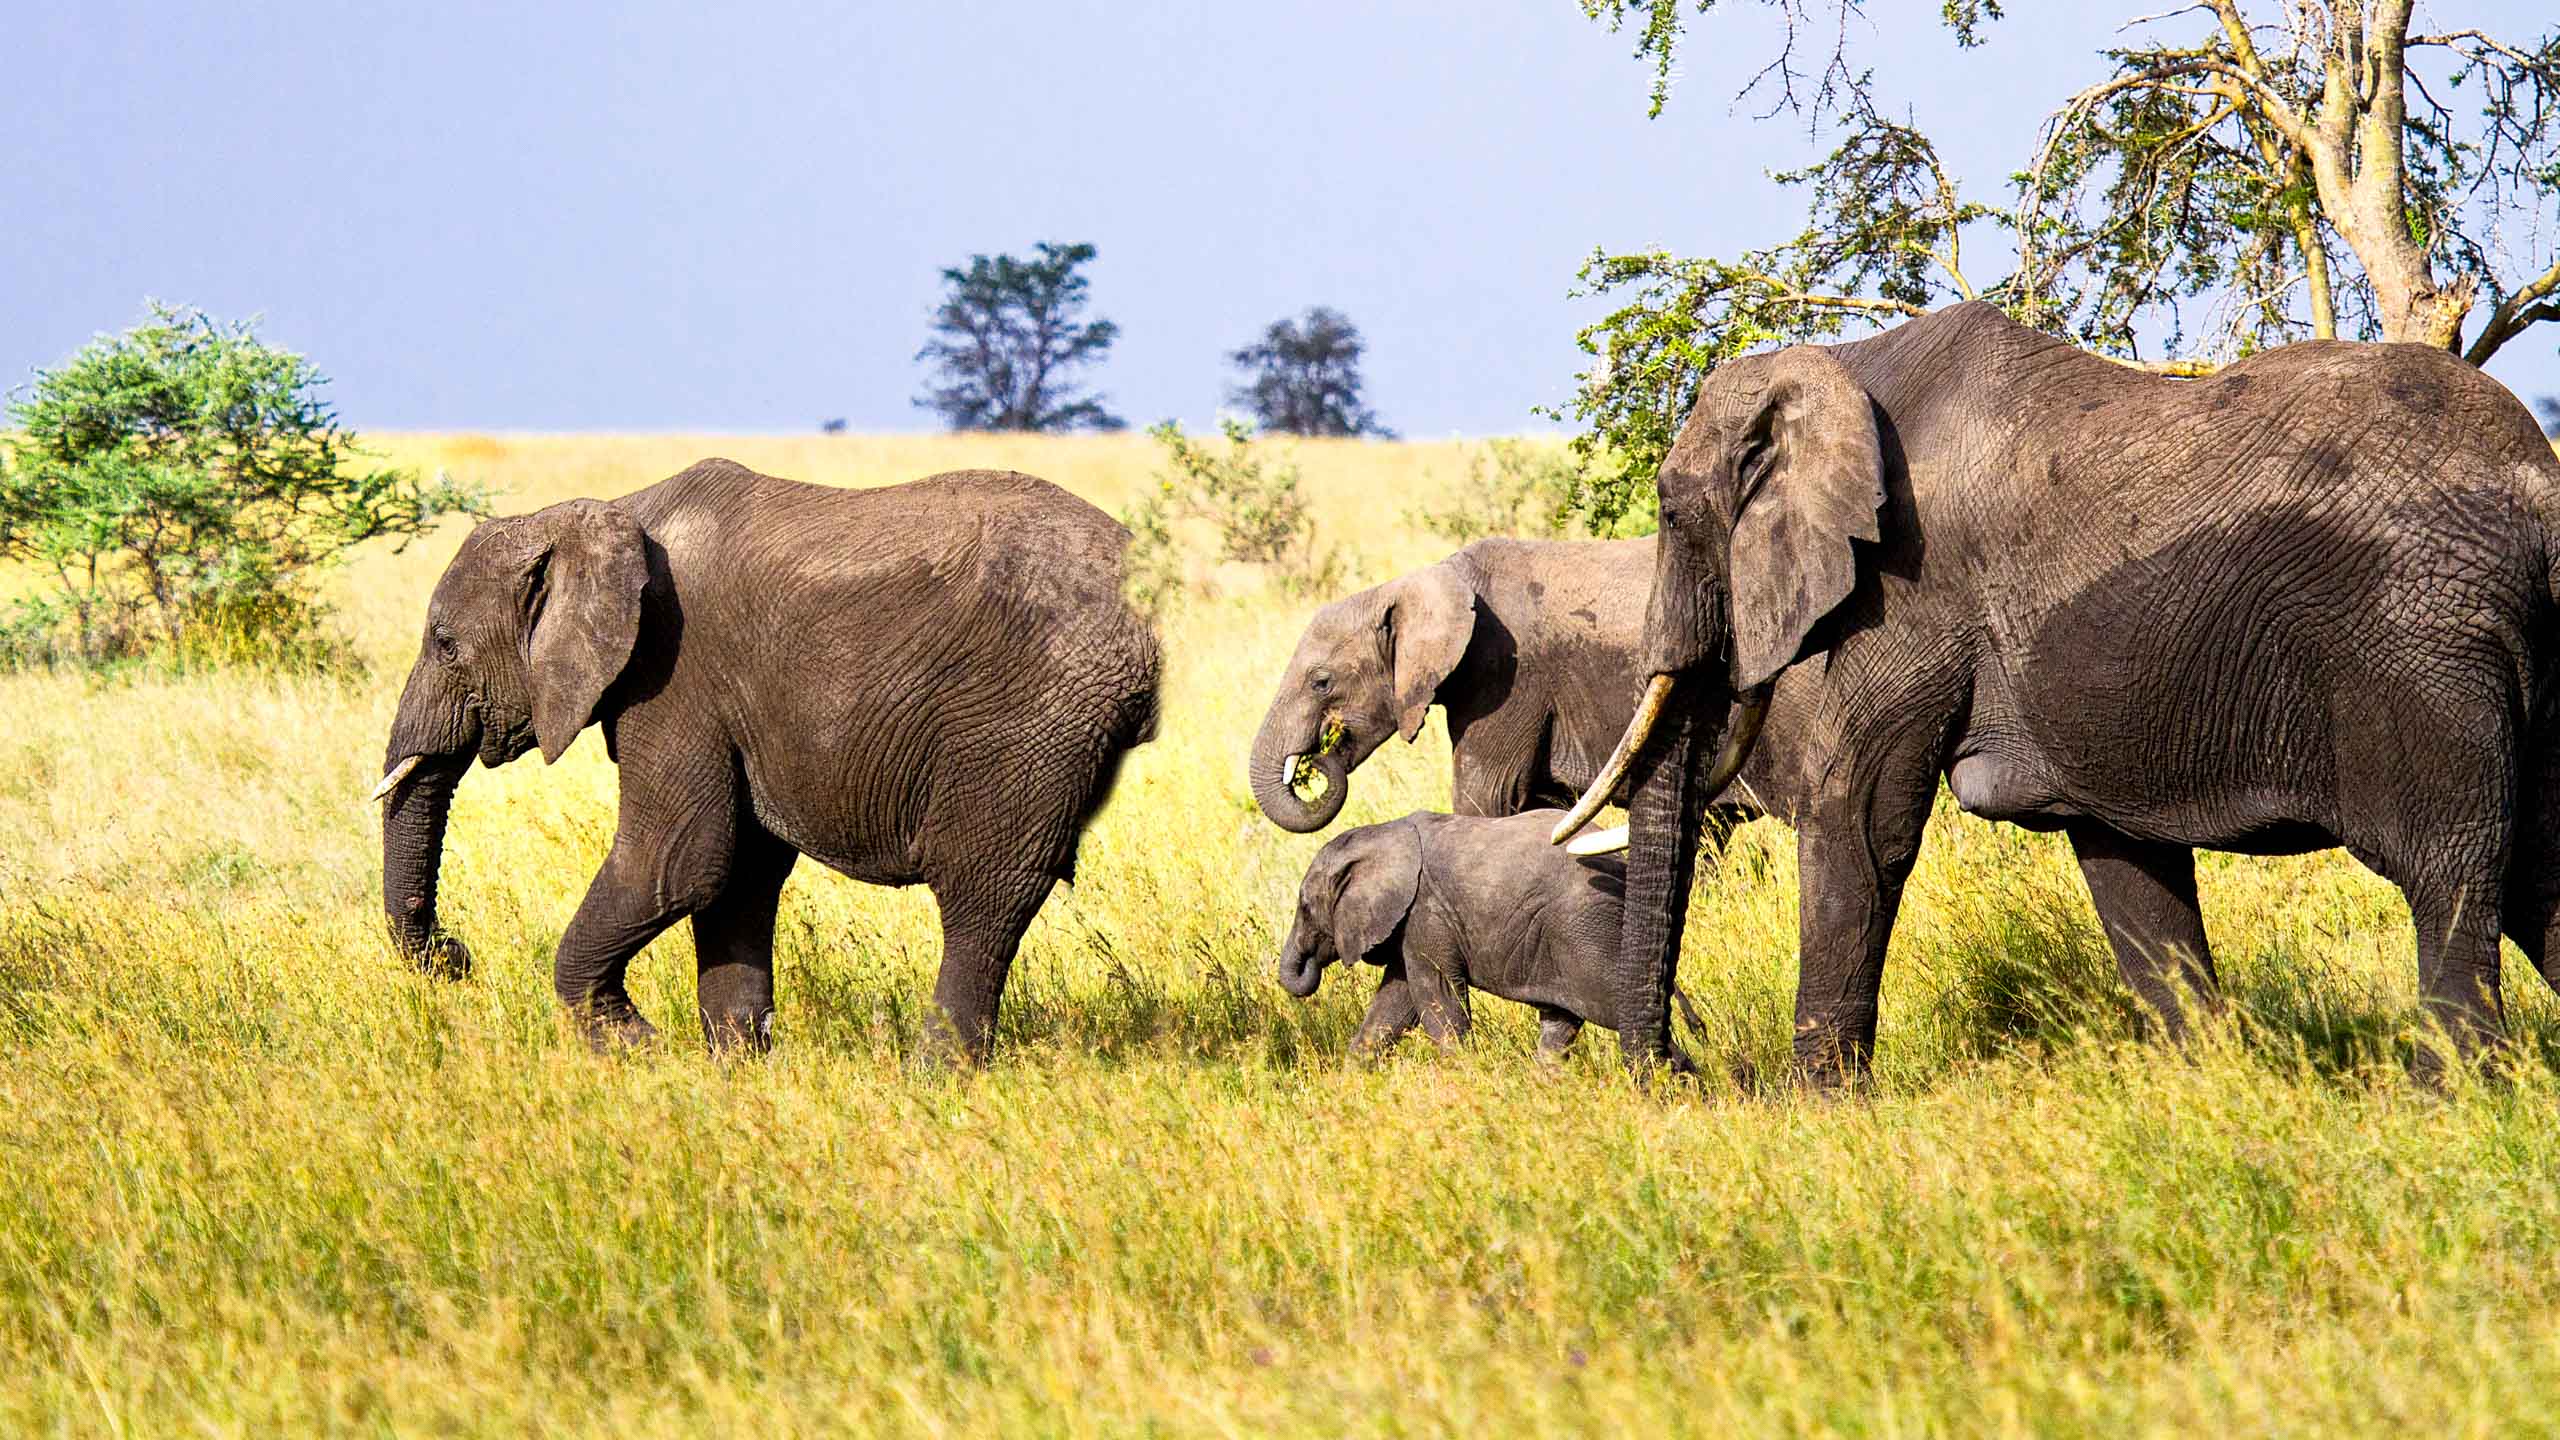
[(259, 1179)]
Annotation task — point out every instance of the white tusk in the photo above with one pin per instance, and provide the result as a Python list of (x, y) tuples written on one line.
[(392, 781), (1738, 739), (1599, 842), (1657, 692)]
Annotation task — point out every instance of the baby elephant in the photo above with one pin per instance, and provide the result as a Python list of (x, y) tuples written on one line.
[(1449, 903)]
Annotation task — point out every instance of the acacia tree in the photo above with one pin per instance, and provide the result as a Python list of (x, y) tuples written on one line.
[(1303, 377), (1007, 339), (2319, 169), (180, 488)]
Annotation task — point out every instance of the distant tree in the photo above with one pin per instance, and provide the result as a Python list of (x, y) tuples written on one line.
[(2549, 405), (1303, 377), (1007, 337), (835, 426)]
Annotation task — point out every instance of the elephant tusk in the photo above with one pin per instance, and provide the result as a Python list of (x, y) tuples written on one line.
[(1738, 742), (1599, 842), (1657, 693), (392, 781)]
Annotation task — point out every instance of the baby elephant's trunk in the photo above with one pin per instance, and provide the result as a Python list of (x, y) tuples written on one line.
[(1300, 970)]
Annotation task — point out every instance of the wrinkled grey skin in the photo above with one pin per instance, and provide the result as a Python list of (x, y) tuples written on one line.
[(929, 683), (1531, 647), (2306, 603), (1458, 903)]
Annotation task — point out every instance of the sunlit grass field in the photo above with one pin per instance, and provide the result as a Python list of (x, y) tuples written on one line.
[(258, 1179)]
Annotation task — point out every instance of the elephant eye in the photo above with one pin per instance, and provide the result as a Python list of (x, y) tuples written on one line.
[(1321, 683), (447, 650)]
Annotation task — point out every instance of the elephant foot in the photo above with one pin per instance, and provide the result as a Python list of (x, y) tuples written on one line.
[(738, 1035), (943, 1050), (611, 1026), (442, 958)]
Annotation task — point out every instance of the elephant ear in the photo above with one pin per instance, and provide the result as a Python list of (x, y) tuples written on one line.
[(1812, 481), (583, 611), (1429, 618), (1380, 871)]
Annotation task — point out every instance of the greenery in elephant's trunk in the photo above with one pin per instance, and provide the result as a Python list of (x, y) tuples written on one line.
[(264, 1179), (1302, 771)]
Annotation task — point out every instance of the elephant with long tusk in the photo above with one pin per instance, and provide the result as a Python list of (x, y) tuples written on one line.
[(1531, 649), (2313, 601)]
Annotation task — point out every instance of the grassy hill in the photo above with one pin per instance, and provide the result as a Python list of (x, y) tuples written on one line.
[(259, 1179)]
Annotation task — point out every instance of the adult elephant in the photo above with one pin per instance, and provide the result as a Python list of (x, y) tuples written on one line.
[(932, 682), (1531, 648), (2306, 603)]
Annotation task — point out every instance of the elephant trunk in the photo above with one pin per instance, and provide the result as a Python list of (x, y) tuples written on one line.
[(1277, 750), (1300, 973), (413, 825), (1665, 808), (432, 742)]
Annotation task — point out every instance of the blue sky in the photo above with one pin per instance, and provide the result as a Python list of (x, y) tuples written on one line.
[(661, 216)]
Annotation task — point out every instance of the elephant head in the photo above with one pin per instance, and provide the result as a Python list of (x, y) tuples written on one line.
[(532, 622), (1778, 468), (1354, 898), (1367, 667)]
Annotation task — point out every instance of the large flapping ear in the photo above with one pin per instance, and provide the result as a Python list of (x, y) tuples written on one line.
[(584, 613), (1427, 622), (1379, 872), (1811, 482)]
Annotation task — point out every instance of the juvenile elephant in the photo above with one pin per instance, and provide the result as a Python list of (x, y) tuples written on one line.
[(2308, 602), (1532, 648), (1454, 903), (932, 682)]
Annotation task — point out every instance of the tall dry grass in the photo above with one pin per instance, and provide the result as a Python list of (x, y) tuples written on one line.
[(258, 1179)]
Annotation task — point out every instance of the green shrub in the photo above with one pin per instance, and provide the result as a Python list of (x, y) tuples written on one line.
[(178, 489), (1251, 504), (1516, 487)]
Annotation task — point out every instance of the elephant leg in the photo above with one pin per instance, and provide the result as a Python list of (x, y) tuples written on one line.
[(1855, 850), (984, 914), (2433, 804), (2458, 962), (670, 858), (733, 947), (1442, 1005), (1392, 1015), (2145, 892), (624, 911), (1557, 1031), (2533, 877)]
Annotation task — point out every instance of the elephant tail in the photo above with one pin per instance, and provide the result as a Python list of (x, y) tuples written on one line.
[(1689, 1012)]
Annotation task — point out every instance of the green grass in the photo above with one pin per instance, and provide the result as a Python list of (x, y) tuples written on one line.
[(260, 1180)]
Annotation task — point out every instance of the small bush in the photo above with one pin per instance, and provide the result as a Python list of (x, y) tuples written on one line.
[(1512, 487), (180, 487), (1252, 505)]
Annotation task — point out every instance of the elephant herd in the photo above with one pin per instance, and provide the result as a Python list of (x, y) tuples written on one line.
[(2313, 601)]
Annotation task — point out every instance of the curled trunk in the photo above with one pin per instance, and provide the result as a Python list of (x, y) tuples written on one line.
[(1275, 750), (1299, 972)]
